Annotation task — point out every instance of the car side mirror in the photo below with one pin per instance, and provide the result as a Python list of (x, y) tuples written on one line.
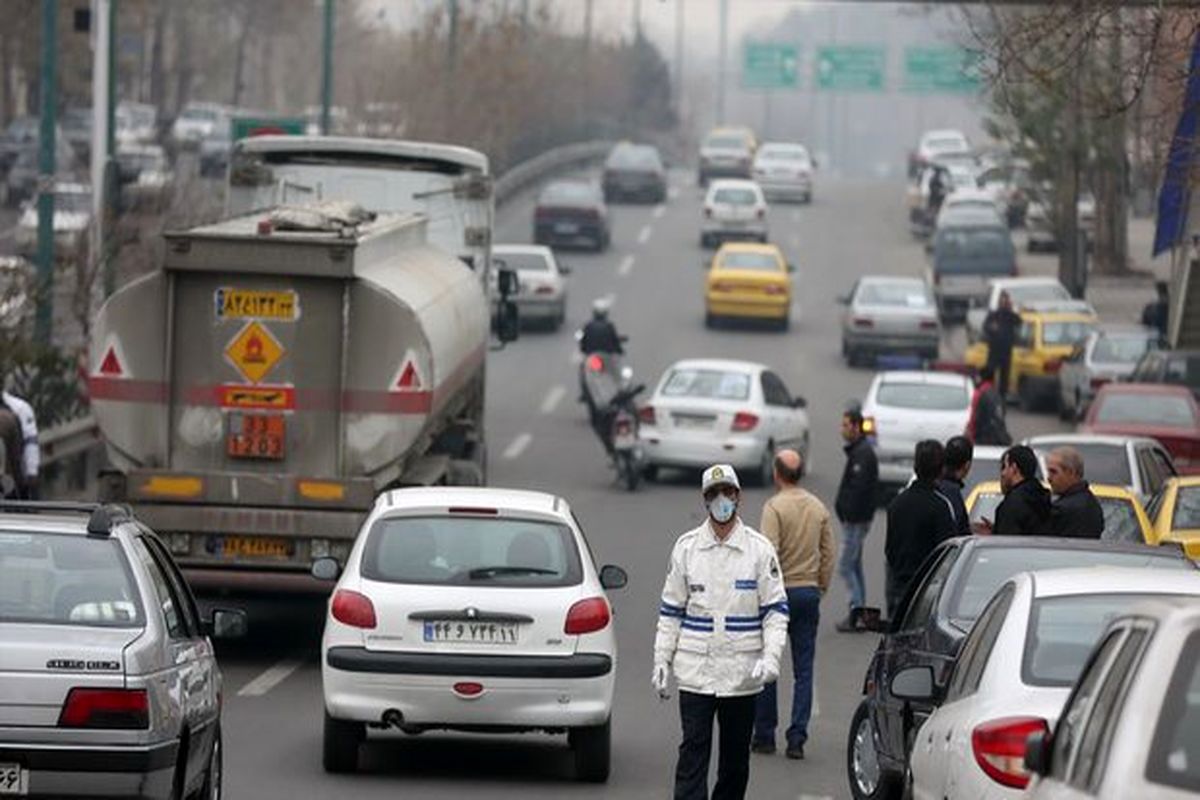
[(799, 402), (1037, 752), (914, 683), (613, 577), (326, 569), (227, 624)]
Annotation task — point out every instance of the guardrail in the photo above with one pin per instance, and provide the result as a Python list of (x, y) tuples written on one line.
[(78, 436)]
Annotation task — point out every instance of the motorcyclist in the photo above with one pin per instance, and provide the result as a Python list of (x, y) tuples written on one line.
[(938, 184), (600, 334)]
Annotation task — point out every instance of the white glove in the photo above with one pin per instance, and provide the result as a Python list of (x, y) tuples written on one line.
[(763, 671), (659, 680)]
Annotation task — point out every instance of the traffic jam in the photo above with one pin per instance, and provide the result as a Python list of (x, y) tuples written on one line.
[(694, 461)]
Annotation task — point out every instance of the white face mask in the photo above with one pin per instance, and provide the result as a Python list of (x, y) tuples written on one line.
[(722, 508)]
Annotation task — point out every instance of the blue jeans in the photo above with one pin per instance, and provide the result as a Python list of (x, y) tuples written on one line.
[(850, 563), (804, 608)]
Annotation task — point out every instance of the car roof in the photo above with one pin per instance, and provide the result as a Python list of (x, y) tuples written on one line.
[(750, 247), (789, 145), (943, 133), (1086, 438), (718, 364), (1167, 389), (970, 193), (1055, 316), (1028, 280), (733, 183), (470, 497), (1169, 610), (1068, 543), (891, 279), (1112, 580), (918, 376), (530, 249)]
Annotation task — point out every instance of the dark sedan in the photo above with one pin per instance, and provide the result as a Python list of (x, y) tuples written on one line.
[(634, 172), (1178, 367), (571, 214), (943, 601)]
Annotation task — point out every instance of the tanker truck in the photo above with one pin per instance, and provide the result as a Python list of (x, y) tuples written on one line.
[(279, 371)]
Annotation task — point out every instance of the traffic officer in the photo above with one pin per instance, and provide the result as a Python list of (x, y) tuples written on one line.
[(31, 454), (722, 624)]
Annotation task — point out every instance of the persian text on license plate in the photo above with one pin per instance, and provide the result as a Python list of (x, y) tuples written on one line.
[(13, 780), (255, 547), (466, 632)]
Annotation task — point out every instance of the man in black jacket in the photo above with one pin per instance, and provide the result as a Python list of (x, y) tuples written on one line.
[(917, 521), (959, 453), (1000, 329), (855, 508), (1077, 512), (1025, 509)]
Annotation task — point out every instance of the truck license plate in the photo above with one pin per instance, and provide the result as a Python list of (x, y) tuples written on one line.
[(256, 436), (13, 780), (255, 547)]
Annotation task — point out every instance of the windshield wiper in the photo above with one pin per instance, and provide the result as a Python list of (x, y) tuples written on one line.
[(480, 573)]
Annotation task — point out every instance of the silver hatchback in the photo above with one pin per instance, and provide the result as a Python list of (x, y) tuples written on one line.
[(108, 682)]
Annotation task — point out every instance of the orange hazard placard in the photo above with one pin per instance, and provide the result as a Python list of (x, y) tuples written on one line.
[(282, 398), (254, 352)]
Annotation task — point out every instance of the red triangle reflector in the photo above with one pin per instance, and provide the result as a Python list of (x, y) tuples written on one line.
[(409, 381), (111, 365)]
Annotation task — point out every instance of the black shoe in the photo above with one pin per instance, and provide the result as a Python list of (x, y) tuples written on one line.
[(795, 752), (850, 623), (765, 748)]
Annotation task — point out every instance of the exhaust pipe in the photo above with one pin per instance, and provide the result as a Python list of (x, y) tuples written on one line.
[(392, 718)]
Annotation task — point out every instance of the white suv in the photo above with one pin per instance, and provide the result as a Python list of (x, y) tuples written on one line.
[(469, 609)]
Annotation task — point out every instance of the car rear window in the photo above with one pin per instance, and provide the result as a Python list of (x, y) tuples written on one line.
[(989, 567), (743, 260), (461, 550), (1187, 509), (524, 262), (66, 579), (1120, 349), (735, 197), (709, 384), (924, 396), (726, 142), (774, 153), (1036, 293), (1056, 333), (634, 158), (908, 295), (1062, 632), (1146, 409), (1106, 463), (974, 243), (569, 193), (1175, 751)]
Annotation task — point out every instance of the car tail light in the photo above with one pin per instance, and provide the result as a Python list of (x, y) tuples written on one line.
[(1052, 367), (595, 363), (999, 748), (353, 609), (468, 688), (587, 616), (127, 709), (776, 289), (646, 415), (929, 324), (864, 322), (744, 421)]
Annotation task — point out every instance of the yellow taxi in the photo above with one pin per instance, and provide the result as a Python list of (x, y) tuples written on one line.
[(1124, 518), (1176, 512), (748, 281), (1045, 340)]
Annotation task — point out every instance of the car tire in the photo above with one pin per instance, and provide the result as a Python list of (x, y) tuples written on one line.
[(592, 749), (211, 789), (867, 779), (340, 746)]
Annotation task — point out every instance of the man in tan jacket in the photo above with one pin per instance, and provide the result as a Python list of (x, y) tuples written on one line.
[(799, 526)]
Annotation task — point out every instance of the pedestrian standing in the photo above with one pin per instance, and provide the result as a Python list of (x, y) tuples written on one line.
[(1025, 509), (1000, 329), (722, 624), (918, 520), (1076, 512), (798, 525), (31, 452), (855, 508), (957, 465), (986, 423), (1157, 312)]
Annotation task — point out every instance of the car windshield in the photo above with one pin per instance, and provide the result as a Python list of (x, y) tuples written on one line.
[(66, 579), (1120, 349), (990, 567), (1156, 410), (1106, 463), (923, 396), (744, 260), (635, 158), (1174, 752), (709, 384), (463, 550), (524, 262), (725, 142), (735, 197), (1036, 293), (894, 293), (1063, 333), (569, 192), (1187, 509), (1062, 632)]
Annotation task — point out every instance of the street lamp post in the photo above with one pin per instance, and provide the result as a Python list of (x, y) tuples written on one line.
[(46, 171)]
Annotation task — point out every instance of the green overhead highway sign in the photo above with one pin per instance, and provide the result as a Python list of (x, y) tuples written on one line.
[(767, 65), (857, 68), (941, 69)]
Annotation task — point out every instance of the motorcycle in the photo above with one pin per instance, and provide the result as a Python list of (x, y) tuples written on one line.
[(618, 426), (599, 378)]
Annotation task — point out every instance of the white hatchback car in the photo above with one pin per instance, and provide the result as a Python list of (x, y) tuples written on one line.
[(469, 609), (784, 170), (1014, 673), (734, 210), (541, 285), (903, 407), (711, 411)]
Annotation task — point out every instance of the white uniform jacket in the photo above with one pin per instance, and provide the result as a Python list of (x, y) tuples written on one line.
[(32, 454), (723, 608)]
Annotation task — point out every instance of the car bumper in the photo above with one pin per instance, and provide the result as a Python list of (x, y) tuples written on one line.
[(63, 771), (755, 308), (725, 170), (744, 452), (727, 231), (892, 342), (519, 692), (548, 308), (786, 190), (584, 235)]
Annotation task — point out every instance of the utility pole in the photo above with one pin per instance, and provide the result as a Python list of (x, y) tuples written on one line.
[(46, 171), (723, 36), (102, 122), (327, 69)]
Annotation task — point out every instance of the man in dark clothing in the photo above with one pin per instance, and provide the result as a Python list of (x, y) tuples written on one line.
[(986, 424), (599, 334), (1025, 508), (917, 521), (1000, 329), (1155, 314), (855, 508), (959, 453), (1077, 512)]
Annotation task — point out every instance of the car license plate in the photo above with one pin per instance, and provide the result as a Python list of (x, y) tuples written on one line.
[(693, 423), (255, 547), (256, 436), (13, 780), (566, 227), (464, 632)]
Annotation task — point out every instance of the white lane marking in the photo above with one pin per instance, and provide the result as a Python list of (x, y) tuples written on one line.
[(626, 266), (553, 398), (270, 678), (673, 193), (644, 234), (659, 210), (518, 446)]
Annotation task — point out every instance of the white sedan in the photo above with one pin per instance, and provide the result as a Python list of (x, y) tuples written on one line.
[(542, 291), (1015, 672), (469, 609), (734, 210), (711, 411), (903, 407)]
